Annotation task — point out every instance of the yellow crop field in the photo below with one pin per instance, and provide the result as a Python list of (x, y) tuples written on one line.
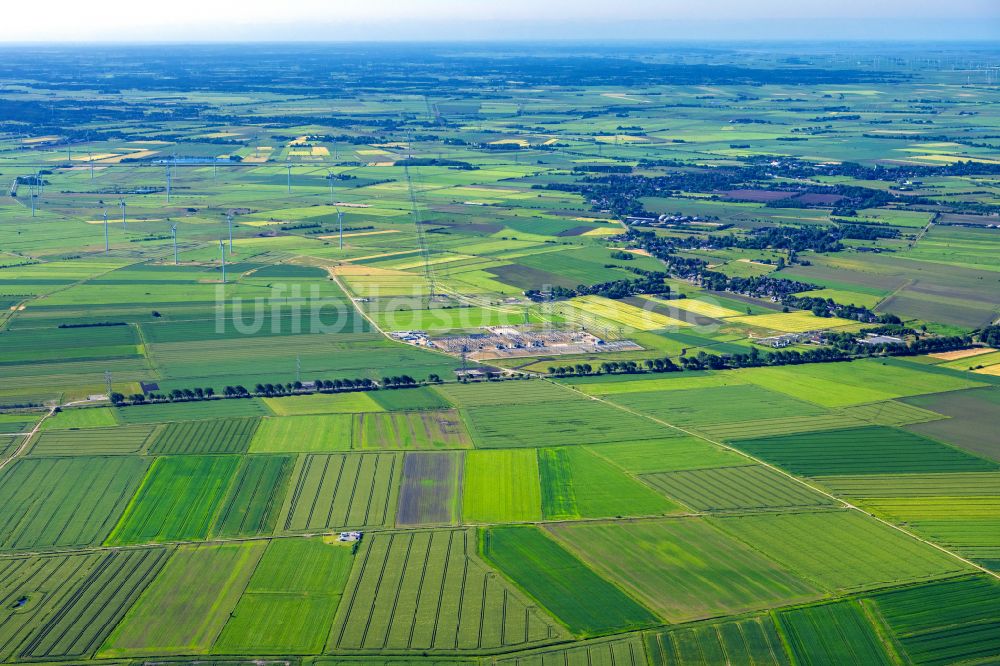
[(625, 314), (793, 322), (703, 308)]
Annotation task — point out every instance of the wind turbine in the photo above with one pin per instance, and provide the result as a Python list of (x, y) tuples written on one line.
[(340, 221), (229, 219), (90, 158), (107, 244), (173, 233), (121, 202), (222, 253), (289, 167), (168, 182)]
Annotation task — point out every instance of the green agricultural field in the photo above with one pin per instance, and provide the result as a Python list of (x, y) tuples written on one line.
[(833, 633), (623, 652), (556, 424), (314, 433), (735, 488), (712, 406), (191, 411), (583, 601), (47, 582), (59, 502), (945, 622), (972, 419), (841, 550), (501, 486), (435, 429), (255, 497), (341, 490), (577, 484), (411, 399), (666, 455), (184, 609), (750, 641), (660, 563), (321, 403), (95, 417), (872, 450), (82, 623), (503, 393), (177, 500), (201, 437), (428, 591), (124, 440), (288, 610)]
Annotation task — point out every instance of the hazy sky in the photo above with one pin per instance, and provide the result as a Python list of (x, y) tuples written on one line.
[(364, 20)]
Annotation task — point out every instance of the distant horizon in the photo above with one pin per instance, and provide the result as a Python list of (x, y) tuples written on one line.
[(310, 21)]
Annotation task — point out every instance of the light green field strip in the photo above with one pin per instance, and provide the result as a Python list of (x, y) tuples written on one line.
[(501, 486), (312, 433)]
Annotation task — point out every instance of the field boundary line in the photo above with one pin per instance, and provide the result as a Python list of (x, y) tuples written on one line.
[(843, 502), (27, 440)]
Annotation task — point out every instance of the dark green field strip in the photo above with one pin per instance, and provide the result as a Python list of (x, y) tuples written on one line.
[(192, 411), (125, 440), (255, 498), (342, 490), (68, 342), (751, 641), (715, 405), (558, 496), (556, 424), (946, 622), (203, 437), (238, 326), (833, 634), (57, 502), (430, 490), (93, 609), (619, 652), (583, 601), (425, 590), (43, 583), (872, 450), (731, 488), (178, 500)]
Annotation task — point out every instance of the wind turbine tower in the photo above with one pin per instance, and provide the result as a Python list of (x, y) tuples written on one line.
[(121, 202), (330, 175), (340, 221), (173, 233), (222, 253), (168, 182), (107, 244), (289, 167), (229, 219)]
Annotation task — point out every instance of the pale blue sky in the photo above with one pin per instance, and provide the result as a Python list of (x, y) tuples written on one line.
[(365, 20)]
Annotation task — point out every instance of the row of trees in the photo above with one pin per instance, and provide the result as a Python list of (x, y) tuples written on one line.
[(268, 390), (649, 282), (845, 347)]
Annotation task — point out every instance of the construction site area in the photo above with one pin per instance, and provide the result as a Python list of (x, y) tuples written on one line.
[(496, 342)]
